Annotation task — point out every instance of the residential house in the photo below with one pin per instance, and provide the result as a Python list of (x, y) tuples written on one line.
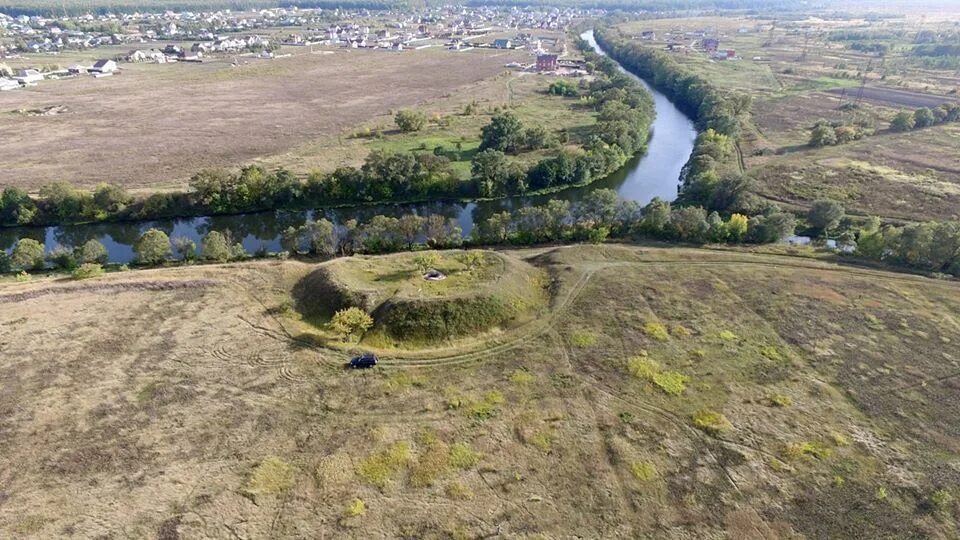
[(648, 35), (502, 44), (103, 66), (28, 76), (711, 44), (547, 62)]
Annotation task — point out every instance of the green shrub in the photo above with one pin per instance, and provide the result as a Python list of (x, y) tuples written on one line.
[(670, 382), (87, 271), (522, 377), (582, 339), (356, 508), (780, 400), (643, 471), (382, 467), (643, 367), (727, 335), (796, 451), (711, 422), (271, 477), (462, 456), (941, 500), (543, 440), (656, 330), (431, 464)]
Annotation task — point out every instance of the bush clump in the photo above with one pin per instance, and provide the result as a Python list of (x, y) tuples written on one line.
[(656, 330), (271, 477), (382, 467), (643, 471), (87, 271), (670, 382), (710, 421)]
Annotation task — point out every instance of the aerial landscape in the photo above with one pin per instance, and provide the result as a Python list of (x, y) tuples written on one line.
[(493, 269)]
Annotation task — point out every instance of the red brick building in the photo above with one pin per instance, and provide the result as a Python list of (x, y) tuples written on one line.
[(547, 62)]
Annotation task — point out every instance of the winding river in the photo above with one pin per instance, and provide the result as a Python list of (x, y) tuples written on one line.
[(654, 174)]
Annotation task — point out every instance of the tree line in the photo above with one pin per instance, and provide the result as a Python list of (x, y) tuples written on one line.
[(600, 215)]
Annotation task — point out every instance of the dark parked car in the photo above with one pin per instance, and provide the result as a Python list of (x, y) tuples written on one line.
[(365, 360)]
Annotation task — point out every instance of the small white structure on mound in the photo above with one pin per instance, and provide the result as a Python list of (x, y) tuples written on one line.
[(434, 275)]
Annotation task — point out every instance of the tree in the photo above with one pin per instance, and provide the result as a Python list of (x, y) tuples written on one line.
[(152, 247), (537, 137), (823, 135), (321, 237), (737, 227), (490, 172), (351, 322), (409, 120), (504, 133), (870, 241), (825, 215), (215, 247), (110, 199), (410, 227), (27, 255), (16, 207), (185, 248), (63, 258), (923, 117), (902, 122), (92, 251)]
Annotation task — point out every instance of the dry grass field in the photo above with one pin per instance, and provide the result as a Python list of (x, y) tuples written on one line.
[(671, 393), (155, 125)]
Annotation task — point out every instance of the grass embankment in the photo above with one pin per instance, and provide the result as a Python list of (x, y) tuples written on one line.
[(491, 291)]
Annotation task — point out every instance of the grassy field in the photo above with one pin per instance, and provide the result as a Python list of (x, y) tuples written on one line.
[(797, 77), (671, 393), (523, 93), (153, 126)]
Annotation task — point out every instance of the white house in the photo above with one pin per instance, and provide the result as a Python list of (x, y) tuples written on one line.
[(104, 66), (8, 84), (28, 76)]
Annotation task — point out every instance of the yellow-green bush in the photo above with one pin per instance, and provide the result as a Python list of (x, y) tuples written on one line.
[(656, 330), (382, 467), (711, 422), (270, 477)]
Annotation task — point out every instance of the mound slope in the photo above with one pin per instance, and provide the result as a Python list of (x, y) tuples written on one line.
[(480, 291)]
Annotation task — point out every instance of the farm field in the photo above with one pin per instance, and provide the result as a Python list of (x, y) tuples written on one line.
[(672, 393), (797, 76), (153, 126)]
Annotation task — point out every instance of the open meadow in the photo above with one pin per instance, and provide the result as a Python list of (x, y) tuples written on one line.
[(671, 393), (153, 126)]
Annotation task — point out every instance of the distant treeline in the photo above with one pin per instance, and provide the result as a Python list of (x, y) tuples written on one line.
[(100, 7), (717, 113), (625, 111)]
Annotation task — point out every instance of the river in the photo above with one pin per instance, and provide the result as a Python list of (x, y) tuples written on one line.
[(653, 174)]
